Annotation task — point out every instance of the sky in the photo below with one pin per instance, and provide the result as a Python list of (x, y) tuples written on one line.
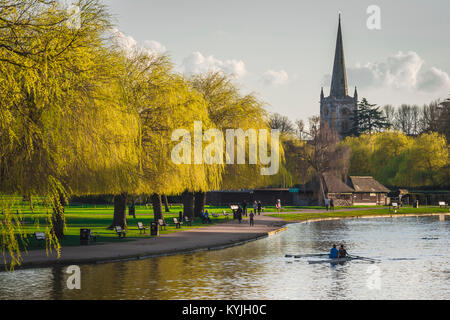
[(283, 50)]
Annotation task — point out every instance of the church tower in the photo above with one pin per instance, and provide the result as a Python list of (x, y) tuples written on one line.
[(338, 108)]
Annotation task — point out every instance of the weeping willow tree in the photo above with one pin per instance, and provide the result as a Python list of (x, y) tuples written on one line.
[(62, 128), (163, 101), (228, 109)]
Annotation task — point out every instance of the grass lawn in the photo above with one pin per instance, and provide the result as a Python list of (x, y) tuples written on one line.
[(98, 218), (330, 214)]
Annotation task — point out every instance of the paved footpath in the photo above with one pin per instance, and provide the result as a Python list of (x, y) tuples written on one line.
[(211, 237)]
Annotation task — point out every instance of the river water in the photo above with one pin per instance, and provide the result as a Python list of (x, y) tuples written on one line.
[(413, 262)]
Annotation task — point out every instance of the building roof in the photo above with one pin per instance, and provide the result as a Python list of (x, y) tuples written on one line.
[(367, 184), (335, 185)]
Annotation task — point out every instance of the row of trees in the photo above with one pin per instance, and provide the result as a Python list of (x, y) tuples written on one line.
[(375, 148), (414, 120), (80, 115), (396, 159)]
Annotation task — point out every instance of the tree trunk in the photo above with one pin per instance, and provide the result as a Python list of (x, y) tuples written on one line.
[(321, 190), (157, 207), (188, 204), (58, 217), (120, 211), (166, 204), (199, 203)]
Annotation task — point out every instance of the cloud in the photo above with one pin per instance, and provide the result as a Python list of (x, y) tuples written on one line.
[(404, 70), (131, 46), (154, 46), (275, 78), (197, 63), (433, 79)]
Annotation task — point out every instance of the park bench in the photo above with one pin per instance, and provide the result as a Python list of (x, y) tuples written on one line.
[(443, 204), (394, 206), (215, 215), (162, 224), (188, 221), (177, 223), (40, 236), (120, 231), (141, 227), (225, 214)]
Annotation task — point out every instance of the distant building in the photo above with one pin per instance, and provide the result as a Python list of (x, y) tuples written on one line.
[(356, 191), (368, 191), (337, 109), (337, 190)]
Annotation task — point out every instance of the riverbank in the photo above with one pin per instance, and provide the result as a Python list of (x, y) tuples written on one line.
[(379, 212), (213, 237)]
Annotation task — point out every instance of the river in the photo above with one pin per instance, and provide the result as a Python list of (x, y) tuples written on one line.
[(413, 262)]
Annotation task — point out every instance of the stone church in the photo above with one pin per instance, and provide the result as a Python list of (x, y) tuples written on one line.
[(338, 108)]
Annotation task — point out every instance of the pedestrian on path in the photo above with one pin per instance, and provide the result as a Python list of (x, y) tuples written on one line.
[(327, 203), (244, 208), (278, 205), (252, 222), (259, 207), (239, 214)]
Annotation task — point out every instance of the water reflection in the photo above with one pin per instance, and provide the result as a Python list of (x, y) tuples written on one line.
[(410, 268)]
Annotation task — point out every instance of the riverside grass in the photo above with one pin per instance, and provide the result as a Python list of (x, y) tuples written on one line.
[(99, 217), (304, 216)]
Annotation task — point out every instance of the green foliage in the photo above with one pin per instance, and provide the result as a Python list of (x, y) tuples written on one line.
[(368, 118), (396, 159)]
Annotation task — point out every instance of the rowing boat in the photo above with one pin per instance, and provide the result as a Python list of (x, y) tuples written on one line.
[(336, 260)]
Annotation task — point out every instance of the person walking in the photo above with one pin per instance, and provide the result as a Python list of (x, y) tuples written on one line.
[(252, 222), (331, 204), (239, 214), (255, 207), (259, 208), (327, 203), (244, 207), (278, 205)]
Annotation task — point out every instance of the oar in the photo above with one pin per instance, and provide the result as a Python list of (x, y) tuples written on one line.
[(296, 256), (362, 258)]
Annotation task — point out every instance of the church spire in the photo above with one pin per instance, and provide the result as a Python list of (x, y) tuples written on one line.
[(339, 78)]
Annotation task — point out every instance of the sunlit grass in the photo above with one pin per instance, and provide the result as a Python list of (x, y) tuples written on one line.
[(303, 216)]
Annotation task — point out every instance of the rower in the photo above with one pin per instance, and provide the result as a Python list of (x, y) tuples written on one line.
[(334, 252), (342, 252)]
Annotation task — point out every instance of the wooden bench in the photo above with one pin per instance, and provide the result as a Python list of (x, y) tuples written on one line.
[(177, 223), (120, 232), (443, 204), (40, 236), (188, 221), (162, 224), (141, 227), (394, 206), (215, 215)]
